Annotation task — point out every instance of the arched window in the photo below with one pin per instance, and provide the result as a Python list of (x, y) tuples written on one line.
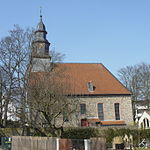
[(100, 111), (147, 123), (82, 109), (117, 112), (144, 122)]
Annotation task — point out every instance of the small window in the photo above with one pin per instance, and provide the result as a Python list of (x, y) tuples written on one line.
[(100, 111), (117, 112), (83, 108)]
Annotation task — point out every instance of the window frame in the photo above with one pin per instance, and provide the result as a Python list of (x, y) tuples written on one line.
[(83, 109), (117, 111), (100, 108)]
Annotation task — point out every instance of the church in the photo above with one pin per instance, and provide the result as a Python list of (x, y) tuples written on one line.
[(103, 100)]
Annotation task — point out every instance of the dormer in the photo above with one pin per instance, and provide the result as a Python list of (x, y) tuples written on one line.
[(90, 86)]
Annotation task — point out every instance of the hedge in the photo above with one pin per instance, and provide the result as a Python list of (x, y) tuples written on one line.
[(80, 133), (109, 133)]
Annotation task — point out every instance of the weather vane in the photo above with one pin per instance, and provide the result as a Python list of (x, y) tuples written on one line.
[(40, 11)]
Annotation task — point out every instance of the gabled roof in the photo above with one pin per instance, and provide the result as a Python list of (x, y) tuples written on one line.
[(78, 75)]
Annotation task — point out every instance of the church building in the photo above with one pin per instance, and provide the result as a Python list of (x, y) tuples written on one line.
[(104, 101)]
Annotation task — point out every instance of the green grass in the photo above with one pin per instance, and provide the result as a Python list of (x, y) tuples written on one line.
[(142, 148)]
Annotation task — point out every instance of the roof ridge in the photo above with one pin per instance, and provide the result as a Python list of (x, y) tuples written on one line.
[(75, 63)]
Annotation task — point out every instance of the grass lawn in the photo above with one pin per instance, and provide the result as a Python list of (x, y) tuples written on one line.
[(142, 148)]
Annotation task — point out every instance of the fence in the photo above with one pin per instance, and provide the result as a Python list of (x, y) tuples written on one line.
[(33, 143), (45, 143), (98, 144), (5, 143)]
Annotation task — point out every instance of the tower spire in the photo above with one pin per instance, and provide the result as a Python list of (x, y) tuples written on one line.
[(40, 48), (40, 13), (41, 18), (40, 41)]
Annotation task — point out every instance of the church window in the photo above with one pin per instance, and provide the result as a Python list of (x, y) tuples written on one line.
[(83, 108), (147, 123), (117, 112), (100, 111), (144, 121)]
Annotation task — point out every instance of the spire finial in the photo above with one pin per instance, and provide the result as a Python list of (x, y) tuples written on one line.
[(41, 13)]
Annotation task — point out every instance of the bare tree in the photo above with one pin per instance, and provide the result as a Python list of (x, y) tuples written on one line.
[(130, 78), (144, 84), (15, 52), (56, 56), (1, 99), (14, 56), (49, 104), (137, 79)]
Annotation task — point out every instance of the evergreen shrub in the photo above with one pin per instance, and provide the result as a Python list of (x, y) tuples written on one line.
[(80, 133)]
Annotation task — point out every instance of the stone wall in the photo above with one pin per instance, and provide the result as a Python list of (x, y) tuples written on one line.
[(40, 64), (108, 107)]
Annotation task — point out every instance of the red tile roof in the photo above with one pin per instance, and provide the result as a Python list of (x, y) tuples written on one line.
[(78, 75)]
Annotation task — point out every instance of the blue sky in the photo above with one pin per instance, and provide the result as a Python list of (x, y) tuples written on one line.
[(113, 32)]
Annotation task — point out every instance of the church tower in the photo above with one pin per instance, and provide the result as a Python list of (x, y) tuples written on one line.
[(40, 58)]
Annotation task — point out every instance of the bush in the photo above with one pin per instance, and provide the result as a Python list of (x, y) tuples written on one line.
[(8, 132), (110, 133), (80, 133)]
